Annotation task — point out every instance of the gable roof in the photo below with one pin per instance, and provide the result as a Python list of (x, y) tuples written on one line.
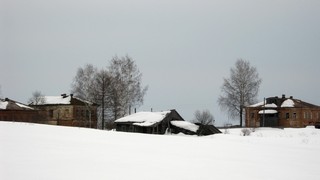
[(150, 118), (9, 104), (276, 102)]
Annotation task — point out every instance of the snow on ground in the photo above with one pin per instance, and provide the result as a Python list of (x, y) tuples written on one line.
[(33, 151)]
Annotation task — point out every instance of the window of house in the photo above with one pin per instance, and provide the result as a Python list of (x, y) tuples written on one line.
[(92, 114), (66, 111), (82, 113), (51, 113), (287, 115), (131, 128), (123, 128), (294, 116), (252, 115), (307, 115), (77, 113), (87, 114)]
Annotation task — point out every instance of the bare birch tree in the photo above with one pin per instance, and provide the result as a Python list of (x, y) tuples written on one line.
[(126, 89), (240, 89), (37, 98), (101, 95), (115, 89), (82, 87), (204, 117)]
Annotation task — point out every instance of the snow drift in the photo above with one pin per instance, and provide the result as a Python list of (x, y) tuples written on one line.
[(33, 151)]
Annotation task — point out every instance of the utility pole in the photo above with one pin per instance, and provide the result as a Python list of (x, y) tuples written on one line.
[(264, 111)]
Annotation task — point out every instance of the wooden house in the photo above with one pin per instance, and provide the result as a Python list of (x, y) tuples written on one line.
[(11, 110), (160, 123), (67, 110), (282, 112)]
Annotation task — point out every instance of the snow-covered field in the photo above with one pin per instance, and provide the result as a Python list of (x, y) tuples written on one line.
[(32, 151)]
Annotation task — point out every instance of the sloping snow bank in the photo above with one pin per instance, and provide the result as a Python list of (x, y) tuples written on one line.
[(32, 151)]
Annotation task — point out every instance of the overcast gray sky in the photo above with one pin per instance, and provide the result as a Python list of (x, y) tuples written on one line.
[(184, 48)]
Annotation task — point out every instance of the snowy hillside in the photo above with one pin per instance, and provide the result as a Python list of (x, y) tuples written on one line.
[(32, 151)]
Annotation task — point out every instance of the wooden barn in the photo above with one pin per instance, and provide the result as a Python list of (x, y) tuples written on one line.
[(11, 110), (148, 122), (161, 123), (67, 110), (282, 112)]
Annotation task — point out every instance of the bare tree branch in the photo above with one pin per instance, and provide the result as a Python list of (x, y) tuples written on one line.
[(204, 117), (37, 98), (240, 89)]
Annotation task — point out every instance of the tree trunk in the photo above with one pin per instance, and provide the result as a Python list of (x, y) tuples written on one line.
[(102, 104), (241, 111)]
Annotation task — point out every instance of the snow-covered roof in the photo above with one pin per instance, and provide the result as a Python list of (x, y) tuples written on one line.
[(11, 104), (185, 125), (288, 103), (268, 111), (144, 118), (276, 102), (60, 100), (56, 100), (3, 104), (258, 104), (272, 105), (23, 106), (263, 104)]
